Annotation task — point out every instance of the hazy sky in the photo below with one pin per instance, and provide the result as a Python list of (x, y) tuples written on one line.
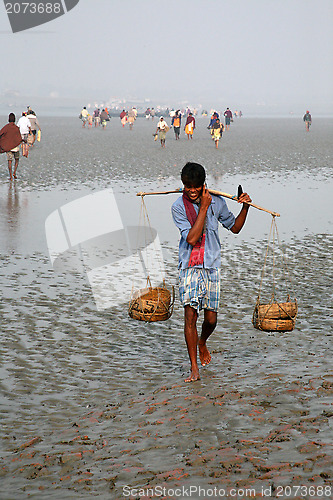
[(238, 52)]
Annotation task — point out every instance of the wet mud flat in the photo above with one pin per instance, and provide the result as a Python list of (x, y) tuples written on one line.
[(95, 404), (74, 157)]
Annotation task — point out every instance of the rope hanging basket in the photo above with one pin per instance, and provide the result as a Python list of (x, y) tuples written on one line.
[(152, 304), (275, 316)]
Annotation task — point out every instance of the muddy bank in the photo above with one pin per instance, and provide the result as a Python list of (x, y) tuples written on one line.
[(93, 402)]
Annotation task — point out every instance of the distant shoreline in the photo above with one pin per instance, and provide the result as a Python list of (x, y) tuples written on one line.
[(54, 113)]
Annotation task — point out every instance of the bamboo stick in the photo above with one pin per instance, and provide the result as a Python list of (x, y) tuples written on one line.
[(212, 191)]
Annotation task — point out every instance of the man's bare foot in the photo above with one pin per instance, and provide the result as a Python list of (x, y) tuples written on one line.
[(193, 376), (204, 354)]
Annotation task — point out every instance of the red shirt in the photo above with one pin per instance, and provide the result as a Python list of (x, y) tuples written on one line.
[(10, 137), (190, 119)]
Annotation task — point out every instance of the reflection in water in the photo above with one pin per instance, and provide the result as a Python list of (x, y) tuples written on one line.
[(15, 208), (13, 213), (77, 236), (13, 201)]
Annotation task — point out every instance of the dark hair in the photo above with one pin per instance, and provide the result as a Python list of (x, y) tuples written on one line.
[(193, 174), (11, 117)]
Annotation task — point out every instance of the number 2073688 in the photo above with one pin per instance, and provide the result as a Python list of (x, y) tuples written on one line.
[(33, 8), (284, 492)]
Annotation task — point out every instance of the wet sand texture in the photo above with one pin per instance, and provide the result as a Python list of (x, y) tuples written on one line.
[(93, 401)]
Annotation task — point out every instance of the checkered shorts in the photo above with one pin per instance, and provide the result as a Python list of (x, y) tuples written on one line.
[(200, 288), (11, 155)]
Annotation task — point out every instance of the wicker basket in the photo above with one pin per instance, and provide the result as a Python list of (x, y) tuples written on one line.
[(275, 317), (275, 325), (278, 310), (152, 304)]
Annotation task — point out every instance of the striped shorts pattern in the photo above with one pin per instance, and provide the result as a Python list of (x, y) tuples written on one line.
[(200, 288)]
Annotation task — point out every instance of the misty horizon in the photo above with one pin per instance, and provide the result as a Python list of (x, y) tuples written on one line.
[(263, 56)]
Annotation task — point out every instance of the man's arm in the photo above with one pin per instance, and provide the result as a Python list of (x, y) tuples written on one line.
[(241, 217), (195, 232)]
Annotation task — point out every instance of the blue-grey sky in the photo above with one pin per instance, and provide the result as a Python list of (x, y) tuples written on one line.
[(264, 54)]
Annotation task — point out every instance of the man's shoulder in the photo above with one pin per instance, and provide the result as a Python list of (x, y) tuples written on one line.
[(8, 127), (178, 203), (219, 203), (216, 198)]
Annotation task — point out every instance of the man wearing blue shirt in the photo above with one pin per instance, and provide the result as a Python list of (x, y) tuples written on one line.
[(197, 214)]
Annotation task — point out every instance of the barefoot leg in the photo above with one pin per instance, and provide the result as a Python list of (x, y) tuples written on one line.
[(10, 169), (208, 326), (193, 376), (15, 168), (191, 337)]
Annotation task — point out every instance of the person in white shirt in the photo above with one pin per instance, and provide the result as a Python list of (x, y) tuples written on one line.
[(34, 123), (25, 127), (131, 116), (84, 116), (162, 128)]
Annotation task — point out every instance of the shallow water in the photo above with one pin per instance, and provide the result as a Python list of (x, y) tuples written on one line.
[(104, 394)]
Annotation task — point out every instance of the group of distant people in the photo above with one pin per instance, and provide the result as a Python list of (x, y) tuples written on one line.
[(215, 125), (176, 119), (23, 134), (98, 117), (128, 117), (150, 113)]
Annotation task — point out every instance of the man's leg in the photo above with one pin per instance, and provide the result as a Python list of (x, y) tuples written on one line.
[(208, 326), (10, 169), (24, 149), (191, 337), (15, 168)]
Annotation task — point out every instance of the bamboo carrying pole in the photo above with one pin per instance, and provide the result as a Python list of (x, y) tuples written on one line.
[(213, 191)]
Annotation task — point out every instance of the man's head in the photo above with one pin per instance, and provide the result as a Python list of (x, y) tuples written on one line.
[(11, 118), (193, 174)]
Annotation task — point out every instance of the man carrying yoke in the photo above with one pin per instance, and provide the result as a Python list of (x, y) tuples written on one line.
[(196, 214)]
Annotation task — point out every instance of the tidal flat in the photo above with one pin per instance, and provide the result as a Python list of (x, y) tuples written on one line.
[(93, 403)]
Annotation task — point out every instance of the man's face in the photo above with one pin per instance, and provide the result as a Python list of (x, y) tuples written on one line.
[(193, 192)]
